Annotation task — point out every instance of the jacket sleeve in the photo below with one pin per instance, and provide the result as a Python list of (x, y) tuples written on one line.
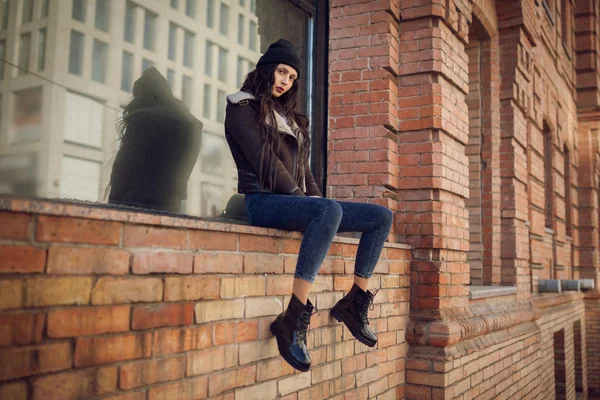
[(243, 128), (311, 186)]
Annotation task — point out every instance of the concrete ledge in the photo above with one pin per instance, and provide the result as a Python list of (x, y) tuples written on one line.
[(484, 292)]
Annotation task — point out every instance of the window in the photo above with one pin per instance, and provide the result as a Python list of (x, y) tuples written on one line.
[(45, 8), (146, 64), (102, 15), (222, 64), (172, 41), (252, 43), (548, 175), (27, 115), (188, 49), (253, 6), (80, 179), (129, 32), (240, 71), (78, 11), (41, 60), (242, 3), (577, 344), (566, 25), (224, 21), (127, 72), (5, 12), (206, 100), (568, 205), (99, 61), (190, 8), (2, 52), (171, 78), (76, 53), (221, 106), (27, 11), (186, 90), (24, 51), (548, 6), (210, 13), (174, 4), (208, 59), (560, 379), (84, 120), (149, 30), (241, 22)]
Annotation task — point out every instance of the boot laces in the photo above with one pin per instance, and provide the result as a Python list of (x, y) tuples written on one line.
[(303, 323), (366, 305)]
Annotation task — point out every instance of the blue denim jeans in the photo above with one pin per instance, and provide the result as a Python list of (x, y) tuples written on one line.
[(320, 219)]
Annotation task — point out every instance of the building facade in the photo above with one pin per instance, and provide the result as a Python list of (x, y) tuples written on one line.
[(475, 121)]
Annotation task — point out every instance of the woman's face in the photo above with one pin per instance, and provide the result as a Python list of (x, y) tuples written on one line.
[(284, 79)]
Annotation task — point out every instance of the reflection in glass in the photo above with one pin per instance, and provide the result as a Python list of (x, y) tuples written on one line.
[(76, 53), (99, 61), (104, 57), (41, 61), (102, 13), (129, 32), (78, 11), (24, 51)]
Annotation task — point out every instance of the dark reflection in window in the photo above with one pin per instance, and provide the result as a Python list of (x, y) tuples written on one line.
[(199, 61)]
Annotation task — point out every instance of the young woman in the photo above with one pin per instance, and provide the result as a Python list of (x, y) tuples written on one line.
[(270, 144), (160, 142)]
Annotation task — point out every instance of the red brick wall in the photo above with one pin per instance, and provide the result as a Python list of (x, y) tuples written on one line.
[(121, 306)]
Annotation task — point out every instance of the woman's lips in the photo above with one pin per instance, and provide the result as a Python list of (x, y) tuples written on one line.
[(279, 89)]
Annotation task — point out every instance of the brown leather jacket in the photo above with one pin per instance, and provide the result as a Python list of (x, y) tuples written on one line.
[(243, 135)]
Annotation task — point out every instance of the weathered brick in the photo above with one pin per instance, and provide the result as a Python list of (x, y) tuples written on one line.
[(263, 391), (14, 391), (184, 390), (225, 381), (169, 341), (213, 359), (366, 376), (85, 261), (191, 288), (46, 291), (218, 263), (104, 350), (259, 244), (21, 259), (254, 351), (75, 385), (294, 383), (21, 328), (279, 285), (259, 307), (148, 236), (224, 333), (144, 373), (127, 290), (378, 387), (263, 264), (15, 226), (138, 395), (77, 230), (326, 372), (74, 322), (11, 293), (24, 361), (219, 310), (161, 315), (211, 240), (274, 368), (162, 262), (246, 331), (242, 287)]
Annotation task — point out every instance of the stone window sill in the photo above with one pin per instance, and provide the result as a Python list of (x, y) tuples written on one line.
[(485, 292)]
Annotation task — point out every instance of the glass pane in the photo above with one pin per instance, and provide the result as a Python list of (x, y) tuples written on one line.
[(27, 11), (45, 8), (5, 12), (102, 15), (129, 32), (78, 11), (76, 53), (24, 52), (99, 61), (174, 4), (205, 59), (41, 49)]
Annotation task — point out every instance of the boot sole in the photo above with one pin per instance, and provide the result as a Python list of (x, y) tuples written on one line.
[(289, 360), (340, 318)]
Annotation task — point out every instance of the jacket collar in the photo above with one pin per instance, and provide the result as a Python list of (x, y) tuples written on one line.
[(282, 125)]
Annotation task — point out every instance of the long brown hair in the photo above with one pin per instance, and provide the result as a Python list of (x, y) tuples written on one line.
[(259, 83)]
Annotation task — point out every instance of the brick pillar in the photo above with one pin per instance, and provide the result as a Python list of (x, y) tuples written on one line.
[(363, 99)]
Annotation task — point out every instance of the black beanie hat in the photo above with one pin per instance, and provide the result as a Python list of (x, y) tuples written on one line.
[(281, 52)]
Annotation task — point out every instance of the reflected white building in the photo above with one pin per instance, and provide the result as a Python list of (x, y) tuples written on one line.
[(75, 62)]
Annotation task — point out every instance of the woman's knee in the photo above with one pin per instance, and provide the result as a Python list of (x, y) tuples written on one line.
[(386, 215), (332, 212)]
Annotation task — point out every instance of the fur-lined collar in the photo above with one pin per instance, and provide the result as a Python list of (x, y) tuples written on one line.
[(282, 125)]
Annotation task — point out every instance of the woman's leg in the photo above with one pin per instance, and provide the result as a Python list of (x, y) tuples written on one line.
[(374, 222)]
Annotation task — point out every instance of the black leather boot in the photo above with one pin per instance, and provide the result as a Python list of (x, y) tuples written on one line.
[(353, 311), (290, 329)]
